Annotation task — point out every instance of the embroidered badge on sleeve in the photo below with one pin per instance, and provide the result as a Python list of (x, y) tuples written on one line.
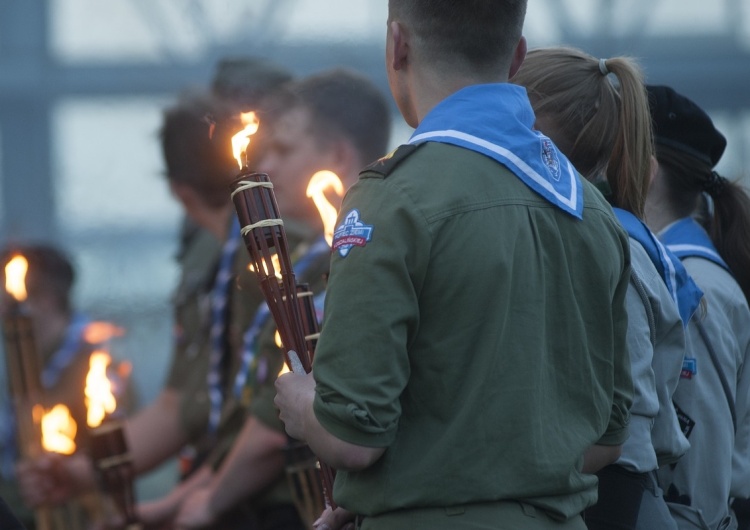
[(353, 233)]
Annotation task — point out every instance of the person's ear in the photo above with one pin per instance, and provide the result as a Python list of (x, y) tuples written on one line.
[(399, 45), (518, 57)]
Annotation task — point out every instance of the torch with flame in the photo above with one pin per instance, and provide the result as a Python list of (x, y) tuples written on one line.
[(266, 242), (109, 448), (23, 366)]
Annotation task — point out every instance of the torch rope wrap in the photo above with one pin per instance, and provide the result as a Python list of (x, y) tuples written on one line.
[(266, 223), (248, 185)]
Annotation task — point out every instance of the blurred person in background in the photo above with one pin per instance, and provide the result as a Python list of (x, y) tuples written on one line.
[(195, 140), (712, 398), (336, 121), (64, 351)]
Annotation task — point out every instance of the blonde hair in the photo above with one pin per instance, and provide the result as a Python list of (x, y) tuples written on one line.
[(602, 128)]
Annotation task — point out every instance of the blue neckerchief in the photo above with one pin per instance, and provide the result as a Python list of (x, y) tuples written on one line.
[(219, 306), (686, 238), (496, 120), (249, 368), (67, 352), (685, 293)]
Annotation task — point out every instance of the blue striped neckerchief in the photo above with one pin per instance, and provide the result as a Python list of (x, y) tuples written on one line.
[(686, 238), (250, 369), (69, 349), (219, 323), (496, 120), (685, 293)]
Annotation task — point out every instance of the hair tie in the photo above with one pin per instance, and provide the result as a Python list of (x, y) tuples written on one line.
[(603, 67), (714, 184)]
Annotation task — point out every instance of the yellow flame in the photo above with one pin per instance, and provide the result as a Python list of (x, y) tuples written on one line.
[(100, 332), (241, 140), (275, 262), (284, 369), (58, 430), (277, 339), (319, 183), (99, 398), (15, 277)]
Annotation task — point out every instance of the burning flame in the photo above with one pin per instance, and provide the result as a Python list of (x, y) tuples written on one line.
[(99, 398), (241, 140), (276, 266), (101, 332), (319, 183), (15, 277), (277, 339), (58, 429)]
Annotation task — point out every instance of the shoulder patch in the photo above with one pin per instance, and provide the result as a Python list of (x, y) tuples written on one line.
[(388, 163)]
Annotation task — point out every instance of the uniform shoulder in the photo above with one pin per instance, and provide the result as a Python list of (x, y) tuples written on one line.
[(383, 167)]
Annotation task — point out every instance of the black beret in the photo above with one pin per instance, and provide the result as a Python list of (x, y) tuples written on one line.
[(681, 124)]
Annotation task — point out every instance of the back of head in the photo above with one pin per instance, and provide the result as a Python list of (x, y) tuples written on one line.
[(471, 35), (346, 105), (245, 81), (603, 128), (196, 145), (688, 146), (50, 272)]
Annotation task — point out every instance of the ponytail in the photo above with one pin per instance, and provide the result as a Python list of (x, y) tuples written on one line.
[(603, 130), (730, 230), (629, 168), (686, 178)]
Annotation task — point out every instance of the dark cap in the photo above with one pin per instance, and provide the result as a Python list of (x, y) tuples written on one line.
[(681, 124)]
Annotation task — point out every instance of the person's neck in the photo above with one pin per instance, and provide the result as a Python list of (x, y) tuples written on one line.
[(431, 86), (658, 215), (217, 222)]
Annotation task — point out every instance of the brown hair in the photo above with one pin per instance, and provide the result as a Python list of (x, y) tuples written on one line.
[(196, 145), (480, 33), (602, 128), (686, 177)]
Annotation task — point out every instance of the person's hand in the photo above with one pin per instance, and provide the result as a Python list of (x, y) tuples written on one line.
[(52, 479), (196, 511), (338, 519), (294, 397), (157, 514)]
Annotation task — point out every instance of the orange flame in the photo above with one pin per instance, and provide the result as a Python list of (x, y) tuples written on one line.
[(58, 429), (241, 140), (319, 183), (15, 277), (276, 266), (101, 332), (99, 398)]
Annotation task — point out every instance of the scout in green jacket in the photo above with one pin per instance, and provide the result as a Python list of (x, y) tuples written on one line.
[(472, 369)]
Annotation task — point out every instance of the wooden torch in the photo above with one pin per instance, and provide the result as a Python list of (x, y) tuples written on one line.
[(265, 239)]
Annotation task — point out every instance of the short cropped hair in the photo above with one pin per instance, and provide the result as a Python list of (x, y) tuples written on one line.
[(245, 81), (196, 145), (50, 272), (482, 33), (345, 104)]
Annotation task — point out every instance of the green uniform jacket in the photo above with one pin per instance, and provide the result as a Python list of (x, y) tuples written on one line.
[(478, 336)]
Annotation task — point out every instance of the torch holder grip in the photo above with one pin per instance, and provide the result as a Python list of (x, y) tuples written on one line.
[(114, 464)]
